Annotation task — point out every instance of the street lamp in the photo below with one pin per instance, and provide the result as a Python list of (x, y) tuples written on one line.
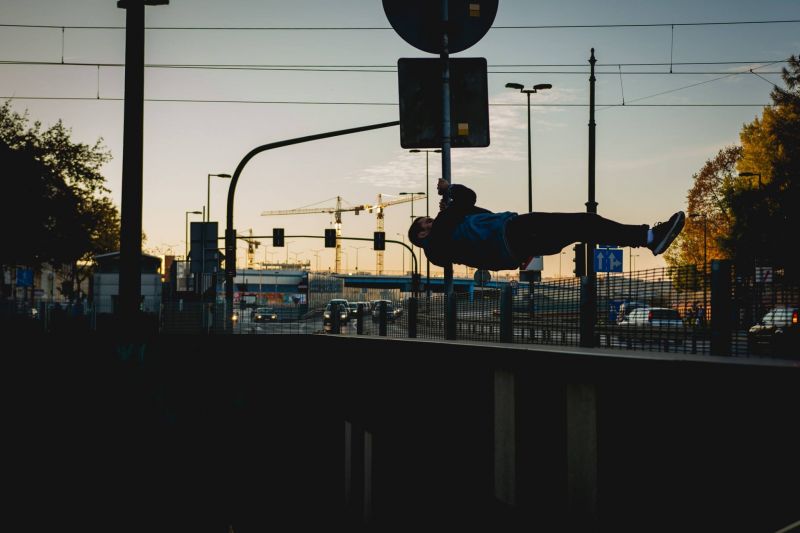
[(316, 252), (631, 255), (427, 210), (705, 248), (403, 264), (208, 194), (357, 248), (412, 207), (186, 226), (535, 89), (287, 243)]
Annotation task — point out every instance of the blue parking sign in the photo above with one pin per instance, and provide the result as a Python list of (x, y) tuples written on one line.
[(24, 277)]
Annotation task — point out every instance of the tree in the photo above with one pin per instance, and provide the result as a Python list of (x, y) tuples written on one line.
[(707, 198), (58, 212), (765, 211), (749, 218)]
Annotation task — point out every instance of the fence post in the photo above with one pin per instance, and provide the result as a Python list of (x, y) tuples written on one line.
[(721, 307), (451, 310), (588, 313), (382, 318), (412, 318), (506, 315), (360, 320)]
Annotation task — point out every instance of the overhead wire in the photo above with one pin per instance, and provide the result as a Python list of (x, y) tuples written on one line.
[(386, 28)]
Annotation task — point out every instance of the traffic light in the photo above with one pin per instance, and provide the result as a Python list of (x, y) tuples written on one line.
[(277, 237), (379, 240), (330, 238), (580, 260)]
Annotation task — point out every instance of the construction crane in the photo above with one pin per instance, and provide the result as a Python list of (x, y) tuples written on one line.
[(251, 248), (337, 211)]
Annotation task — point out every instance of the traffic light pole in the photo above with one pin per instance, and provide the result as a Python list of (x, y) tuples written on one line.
[(450, 310), (230, 231), (589, 282)]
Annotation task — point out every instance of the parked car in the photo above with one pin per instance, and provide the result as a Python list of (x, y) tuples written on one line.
[(655, 324), (777, 333), (331, 312), (264, 314), (392, 312), (626, 308)]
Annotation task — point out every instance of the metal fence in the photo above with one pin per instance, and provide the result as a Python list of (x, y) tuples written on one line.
[(687, 310)]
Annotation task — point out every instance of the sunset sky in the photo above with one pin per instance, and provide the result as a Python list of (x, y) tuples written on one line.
[(303, 67)]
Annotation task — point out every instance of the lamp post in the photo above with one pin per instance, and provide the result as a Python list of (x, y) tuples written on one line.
[(412, 207), (630, 259), (527, 92), (186, 226), (403, 264), (316, 252), (287, 243), (357, 248), (705, 249), (427, 211), (559, 263), (208, 194)]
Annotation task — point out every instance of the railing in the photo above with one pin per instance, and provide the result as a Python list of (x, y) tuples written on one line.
[(690, 311)]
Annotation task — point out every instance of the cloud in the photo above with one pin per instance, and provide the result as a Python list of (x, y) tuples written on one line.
[(508, 127)]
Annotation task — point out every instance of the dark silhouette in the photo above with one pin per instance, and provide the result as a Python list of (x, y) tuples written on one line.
[(469, 235)]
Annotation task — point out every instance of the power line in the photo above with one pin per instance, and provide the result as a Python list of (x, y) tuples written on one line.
[(389, 70), (385, 28), (312, 102)]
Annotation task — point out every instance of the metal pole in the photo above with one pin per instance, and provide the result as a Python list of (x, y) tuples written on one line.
[(427, 214), (589, 313), (530, 174), (230, 231), (208, 199), (130, 281), (705, 266), (450, 326)]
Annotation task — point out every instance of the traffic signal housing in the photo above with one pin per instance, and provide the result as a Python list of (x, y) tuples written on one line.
[(277, 237), (580, 260), (379, 240), (330, 238)]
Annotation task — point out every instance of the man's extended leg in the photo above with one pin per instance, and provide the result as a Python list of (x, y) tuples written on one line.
[(549, 233)]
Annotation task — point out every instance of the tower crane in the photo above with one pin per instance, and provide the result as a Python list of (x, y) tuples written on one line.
[(251, 248), (337, 211)]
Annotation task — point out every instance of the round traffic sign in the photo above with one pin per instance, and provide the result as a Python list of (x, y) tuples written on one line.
[(419, 22), (482, 276)]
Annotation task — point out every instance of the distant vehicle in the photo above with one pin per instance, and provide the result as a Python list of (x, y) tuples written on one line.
[(392, 312), (331, 312), (343, 302), (777, 333), (652, 324), (264, 314), (626, 308)]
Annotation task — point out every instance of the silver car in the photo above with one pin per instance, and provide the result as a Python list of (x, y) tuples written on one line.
[(652, 324)]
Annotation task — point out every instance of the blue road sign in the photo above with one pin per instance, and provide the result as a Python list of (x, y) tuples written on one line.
[(608, 260), (24, 277)]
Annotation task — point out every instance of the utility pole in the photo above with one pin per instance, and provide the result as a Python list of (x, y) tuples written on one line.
[(130, 268)]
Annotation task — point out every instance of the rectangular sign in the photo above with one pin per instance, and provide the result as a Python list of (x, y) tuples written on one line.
[(608, 260), (420, 91), (24, 277)]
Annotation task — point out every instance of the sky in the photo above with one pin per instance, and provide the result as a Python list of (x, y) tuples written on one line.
[(312, 66)]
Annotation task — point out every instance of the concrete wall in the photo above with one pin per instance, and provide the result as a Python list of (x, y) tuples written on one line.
[(258, 432)]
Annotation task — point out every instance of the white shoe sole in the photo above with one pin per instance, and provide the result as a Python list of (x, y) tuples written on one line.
[(671, 234)]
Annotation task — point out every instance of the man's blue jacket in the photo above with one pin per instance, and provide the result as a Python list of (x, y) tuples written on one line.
[(465, 234)]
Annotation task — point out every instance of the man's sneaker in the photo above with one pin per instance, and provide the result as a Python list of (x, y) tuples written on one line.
[(665, 232)]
